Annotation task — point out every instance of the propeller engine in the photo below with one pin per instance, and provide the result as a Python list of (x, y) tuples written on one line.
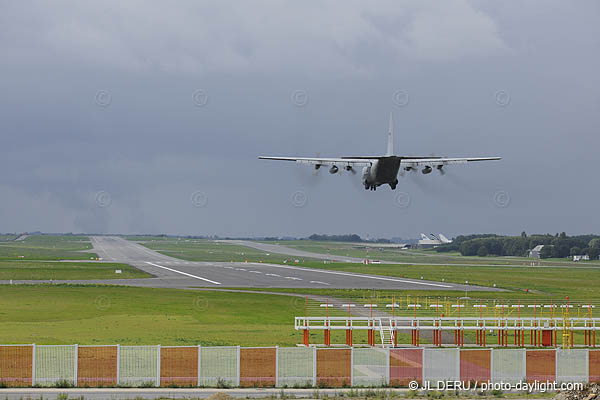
[(350, 169), (440, 169), (334, 169), (427, 170)]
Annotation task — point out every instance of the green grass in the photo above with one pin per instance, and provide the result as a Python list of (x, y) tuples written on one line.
[(47, 247), (4, 238), (103, 315), (61, 314), (360, 250), (45, 270), (576, 282), (209, 250)]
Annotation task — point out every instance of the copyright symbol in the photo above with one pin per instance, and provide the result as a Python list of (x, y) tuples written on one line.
[(502, 98), (200, 98), (199, 199), (502, 199), (103, 98), (201, 304), (401, 98), (103, 199), (299, 198), (402, 199), (102, 302), (413, 385), (300, 98)]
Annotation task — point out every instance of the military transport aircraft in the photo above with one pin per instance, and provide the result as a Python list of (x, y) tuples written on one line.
[(381, 170)]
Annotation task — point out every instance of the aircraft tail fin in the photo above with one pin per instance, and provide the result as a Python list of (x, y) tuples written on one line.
[(390, 146), (444, 239)]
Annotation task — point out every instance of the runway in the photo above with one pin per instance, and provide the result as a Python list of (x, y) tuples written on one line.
[(171, 272), (289, 251)]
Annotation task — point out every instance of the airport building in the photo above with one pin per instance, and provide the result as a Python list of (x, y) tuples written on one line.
[(536, 251), (432, 240)]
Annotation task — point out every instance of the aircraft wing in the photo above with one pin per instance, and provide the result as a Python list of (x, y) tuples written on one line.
[(441, 161), (340, 162)]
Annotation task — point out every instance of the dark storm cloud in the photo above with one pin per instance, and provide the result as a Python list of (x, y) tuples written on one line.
[(148, 116)]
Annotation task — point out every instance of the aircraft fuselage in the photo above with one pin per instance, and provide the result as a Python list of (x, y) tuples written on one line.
[(381, 172)]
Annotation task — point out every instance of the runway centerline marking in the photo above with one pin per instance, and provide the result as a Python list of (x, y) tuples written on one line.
[(381, 278), (273, 275), (184, 273), (320, 283)]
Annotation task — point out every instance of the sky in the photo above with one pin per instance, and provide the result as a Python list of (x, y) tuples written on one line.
[(148, 116)]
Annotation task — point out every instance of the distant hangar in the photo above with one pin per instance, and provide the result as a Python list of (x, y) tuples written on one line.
[(432, 240)]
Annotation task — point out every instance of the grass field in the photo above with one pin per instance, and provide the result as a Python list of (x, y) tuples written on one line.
[(414, 256), (580, 282), (127, 315), (208, 250), (4, 238), (47, 247), (62, 314), (44, 270)]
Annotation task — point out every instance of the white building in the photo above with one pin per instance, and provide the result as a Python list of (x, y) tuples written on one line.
[(583, 257), (431, 240), (535, 252)]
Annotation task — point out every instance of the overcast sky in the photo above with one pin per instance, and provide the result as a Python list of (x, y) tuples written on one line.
[(148, 116)]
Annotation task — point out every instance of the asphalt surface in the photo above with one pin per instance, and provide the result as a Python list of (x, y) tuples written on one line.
[(174, 273), (170, 272), (289, 251)]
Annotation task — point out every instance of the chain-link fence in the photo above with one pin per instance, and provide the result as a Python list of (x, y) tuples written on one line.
[(138, 365), (441, 365), (219, 366), (572, 365), (55, 365), (370, 367), (296, 367), (476, 365), (508, 365), (540, 365), (192, 366)]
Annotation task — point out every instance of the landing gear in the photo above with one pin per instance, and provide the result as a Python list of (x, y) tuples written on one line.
[(394, 184), (370, 187)]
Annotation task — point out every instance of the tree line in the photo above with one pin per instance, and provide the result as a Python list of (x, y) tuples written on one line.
[(336, 238), (555, 246)]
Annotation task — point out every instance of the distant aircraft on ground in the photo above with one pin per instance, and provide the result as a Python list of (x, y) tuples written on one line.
[(381, 170)]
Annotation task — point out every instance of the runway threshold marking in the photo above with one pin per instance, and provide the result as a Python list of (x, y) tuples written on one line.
[(184, 273)]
